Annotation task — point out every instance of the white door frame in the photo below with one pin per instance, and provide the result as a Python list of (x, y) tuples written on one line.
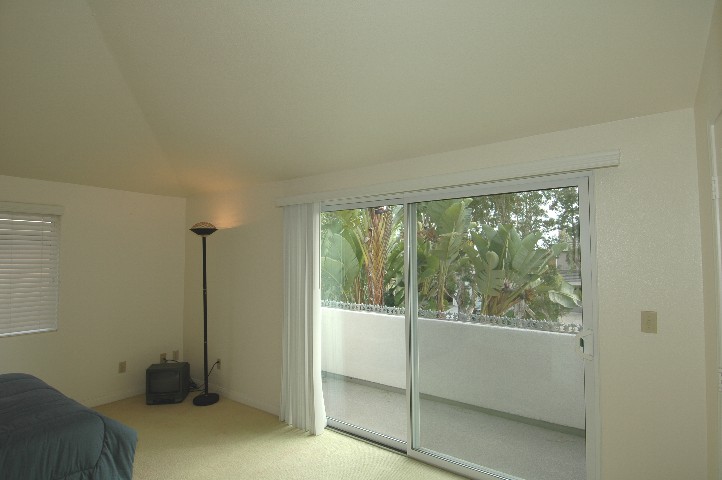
[(715, 152)]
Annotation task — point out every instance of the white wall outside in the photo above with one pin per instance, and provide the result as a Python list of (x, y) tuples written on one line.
[(528, 373)]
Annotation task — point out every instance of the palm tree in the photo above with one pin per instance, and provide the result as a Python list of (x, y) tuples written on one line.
[(355, 248)]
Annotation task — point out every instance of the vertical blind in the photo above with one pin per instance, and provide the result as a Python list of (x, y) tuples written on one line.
[(301, 388), (29, 257)]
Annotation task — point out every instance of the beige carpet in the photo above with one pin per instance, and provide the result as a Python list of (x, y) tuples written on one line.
[(232, 441)]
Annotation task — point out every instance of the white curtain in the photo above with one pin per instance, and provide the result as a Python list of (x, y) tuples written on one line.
[(301, 392)]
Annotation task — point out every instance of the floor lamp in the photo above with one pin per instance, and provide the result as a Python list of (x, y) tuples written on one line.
[(204, 229)]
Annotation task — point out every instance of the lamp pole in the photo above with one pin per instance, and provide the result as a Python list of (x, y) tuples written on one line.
[(204, 229)]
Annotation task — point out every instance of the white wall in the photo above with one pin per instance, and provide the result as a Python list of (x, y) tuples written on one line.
[(121, 290), (708, 106), (245, 295), (651, 387)]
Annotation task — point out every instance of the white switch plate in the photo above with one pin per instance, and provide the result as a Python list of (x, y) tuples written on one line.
[(649, 321)]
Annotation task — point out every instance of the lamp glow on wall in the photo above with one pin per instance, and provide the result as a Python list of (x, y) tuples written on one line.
[(204, 229)]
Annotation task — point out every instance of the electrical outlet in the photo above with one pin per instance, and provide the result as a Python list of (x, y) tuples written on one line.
[(121, 367), (218, 363), (176, 354), (162, 358)]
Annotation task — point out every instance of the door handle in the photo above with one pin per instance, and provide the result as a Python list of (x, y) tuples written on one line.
[(584, 344)]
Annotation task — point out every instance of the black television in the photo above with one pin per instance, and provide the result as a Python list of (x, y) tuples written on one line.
[(167, 382)]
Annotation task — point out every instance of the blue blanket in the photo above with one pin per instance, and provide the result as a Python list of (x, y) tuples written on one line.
[(45, 435)]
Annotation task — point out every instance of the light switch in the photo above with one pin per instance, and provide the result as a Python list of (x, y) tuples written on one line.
[(649, 322)]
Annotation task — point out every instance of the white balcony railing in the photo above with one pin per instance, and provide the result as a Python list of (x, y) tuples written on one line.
[(522, 372)]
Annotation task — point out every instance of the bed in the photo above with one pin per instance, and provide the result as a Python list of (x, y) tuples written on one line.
[(46, 435)]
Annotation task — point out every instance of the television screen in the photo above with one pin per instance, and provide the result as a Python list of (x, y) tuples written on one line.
[(165, 381)]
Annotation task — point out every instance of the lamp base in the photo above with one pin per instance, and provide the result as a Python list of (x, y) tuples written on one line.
[(205, 399)]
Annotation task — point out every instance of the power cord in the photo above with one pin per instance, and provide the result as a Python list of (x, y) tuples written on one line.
[(194, 386)]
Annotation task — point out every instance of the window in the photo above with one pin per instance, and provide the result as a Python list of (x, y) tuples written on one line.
[(29, 258)]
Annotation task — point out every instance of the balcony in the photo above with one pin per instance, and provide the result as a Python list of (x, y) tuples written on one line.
[(511, 399)]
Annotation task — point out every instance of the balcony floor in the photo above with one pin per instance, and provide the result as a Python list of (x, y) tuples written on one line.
[(521, 449)]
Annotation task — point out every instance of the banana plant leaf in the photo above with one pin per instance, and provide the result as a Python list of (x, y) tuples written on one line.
[(340, 266)]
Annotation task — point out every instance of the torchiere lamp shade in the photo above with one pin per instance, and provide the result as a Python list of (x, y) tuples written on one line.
[(203, 229)]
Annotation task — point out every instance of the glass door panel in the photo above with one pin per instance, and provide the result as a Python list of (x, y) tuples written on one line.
[(363, 323), (498, 383)]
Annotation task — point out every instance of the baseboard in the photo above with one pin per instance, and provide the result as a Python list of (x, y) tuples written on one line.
[(110, 397), (245, 400)]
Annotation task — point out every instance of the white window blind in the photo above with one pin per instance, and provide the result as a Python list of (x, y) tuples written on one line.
[(29, 257)]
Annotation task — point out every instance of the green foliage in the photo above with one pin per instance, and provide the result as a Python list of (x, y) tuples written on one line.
[(394, 277), (340, 267), (510, 270), (356, 246), (442, 234), (492, 254)]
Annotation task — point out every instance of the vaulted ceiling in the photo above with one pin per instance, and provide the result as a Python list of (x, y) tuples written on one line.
[(180, 97)]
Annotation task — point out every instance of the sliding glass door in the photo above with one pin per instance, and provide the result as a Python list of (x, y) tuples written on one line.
[(363, 327), (498, 383), (455, 327)]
